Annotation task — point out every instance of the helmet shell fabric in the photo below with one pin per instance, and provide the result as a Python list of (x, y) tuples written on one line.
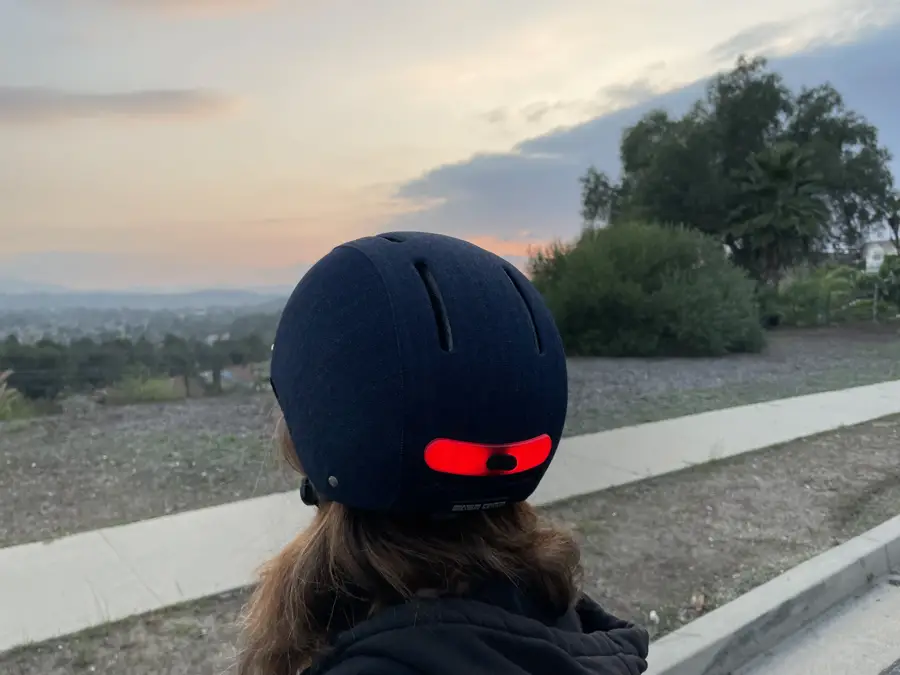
[(391, 342)]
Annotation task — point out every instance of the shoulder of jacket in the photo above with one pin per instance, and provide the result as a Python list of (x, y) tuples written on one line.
[(367, 665)]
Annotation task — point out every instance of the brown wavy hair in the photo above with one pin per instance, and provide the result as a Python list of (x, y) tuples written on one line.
[(348, 564)]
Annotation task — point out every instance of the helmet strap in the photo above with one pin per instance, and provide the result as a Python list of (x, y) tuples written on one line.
[(308, 494)]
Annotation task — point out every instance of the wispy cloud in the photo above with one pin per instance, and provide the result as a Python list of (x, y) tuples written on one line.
[(36, 105), (606, 100), (190, 7), (752, 40), (850, 22)]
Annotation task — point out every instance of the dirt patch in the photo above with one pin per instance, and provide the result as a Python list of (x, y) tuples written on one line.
[(100, 467), (683, 544), (606, 393), (678, 545), (110, 466), (196, 639)]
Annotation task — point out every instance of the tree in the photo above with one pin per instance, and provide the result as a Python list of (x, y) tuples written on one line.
[(146, 358), (39, 371), (857, 178), (255, 348), (215, 358), (47, 369), (779, 211), (599, 198), (97, 365), (776, 176), (180, 359)]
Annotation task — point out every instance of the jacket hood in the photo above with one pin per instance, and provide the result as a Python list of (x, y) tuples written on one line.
[(499, 633)]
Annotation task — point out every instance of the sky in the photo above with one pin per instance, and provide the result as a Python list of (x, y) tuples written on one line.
[(177, 144)]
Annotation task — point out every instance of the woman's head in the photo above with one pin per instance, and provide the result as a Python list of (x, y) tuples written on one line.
[(423, 386), (349, 563), (404, 363)]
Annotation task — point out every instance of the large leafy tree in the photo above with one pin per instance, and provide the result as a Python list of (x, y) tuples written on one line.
[(776, 175), (856, 177), (42, 370)]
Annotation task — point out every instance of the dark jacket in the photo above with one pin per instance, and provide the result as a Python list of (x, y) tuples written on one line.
[(500, 633)]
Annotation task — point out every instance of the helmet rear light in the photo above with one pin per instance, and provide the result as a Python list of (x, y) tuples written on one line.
[(461, 458)]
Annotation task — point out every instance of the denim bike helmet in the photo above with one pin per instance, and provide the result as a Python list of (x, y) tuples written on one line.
[(419, 374)]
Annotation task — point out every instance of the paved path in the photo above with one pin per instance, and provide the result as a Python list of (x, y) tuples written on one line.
[(66, 585), (859, 637)]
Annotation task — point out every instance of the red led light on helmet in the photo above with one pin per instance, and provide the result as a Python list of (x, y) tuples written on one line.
[(461, 458)]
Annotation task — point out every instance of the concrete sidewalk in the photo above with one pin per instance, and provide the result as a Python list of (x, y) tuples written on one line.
[(63, 586), (859, 637), (803, 621)]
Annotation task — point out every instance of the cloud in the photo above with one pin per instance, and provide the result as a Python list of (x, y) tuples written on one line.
[(606, 100), (751, 41), (31, 105), (535, 188), (817, 29), (845, 24), (190, 7)]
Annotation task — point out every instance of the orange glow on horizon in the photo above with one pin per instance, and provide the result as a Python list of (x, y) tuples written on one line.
[(518, 248)]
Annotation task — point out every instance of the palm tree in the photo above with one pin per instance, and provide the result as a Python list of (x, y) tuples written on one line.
[(780, 210)]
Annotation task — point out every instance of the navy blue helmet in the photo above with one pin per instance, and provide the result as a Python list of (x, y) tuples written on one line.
[(419, 373)]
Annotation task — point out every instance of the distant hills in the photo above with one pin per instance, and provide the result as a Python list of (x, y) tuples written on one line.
[(23, 296), (15, 285)]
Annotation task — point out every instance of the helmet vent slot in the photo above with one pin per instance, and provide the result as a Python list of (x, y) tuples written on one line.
[(445, 335), (395, 238), (521, 291)]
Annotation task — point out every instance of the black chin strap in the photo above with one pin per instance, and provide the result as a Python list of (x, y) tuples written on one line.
[(308, 494)]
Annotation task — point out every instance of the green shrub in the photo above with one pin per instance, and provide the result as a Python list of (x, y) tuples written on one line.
[(143, 390), (820, 296), (13, 405), (888, 280), (648, 290)]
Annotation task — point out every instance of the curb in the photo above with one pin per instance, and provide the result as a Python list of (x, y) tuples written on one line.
[(721, 642)]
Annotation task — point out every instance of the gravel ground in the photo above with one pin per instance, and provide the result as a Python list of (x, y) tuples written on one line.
[(107, 466), (680, 545), (608, 393)]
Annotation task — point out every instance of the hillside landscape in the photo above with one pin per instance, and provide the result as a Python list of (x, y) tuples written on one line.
[(709, 315)]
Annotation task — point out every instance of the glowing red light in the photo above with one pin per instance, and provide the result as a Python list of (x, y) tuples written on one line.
[(471, 459)]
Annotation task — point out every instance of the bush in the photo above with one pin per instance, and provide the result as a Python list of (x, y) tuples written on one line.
[(143, 390), (648, 290), (888, 280), (820, 296), (13, 405)]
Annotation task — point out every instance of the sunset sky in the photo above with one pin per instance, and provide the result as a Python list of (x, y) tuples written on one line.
[(187, 143)]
